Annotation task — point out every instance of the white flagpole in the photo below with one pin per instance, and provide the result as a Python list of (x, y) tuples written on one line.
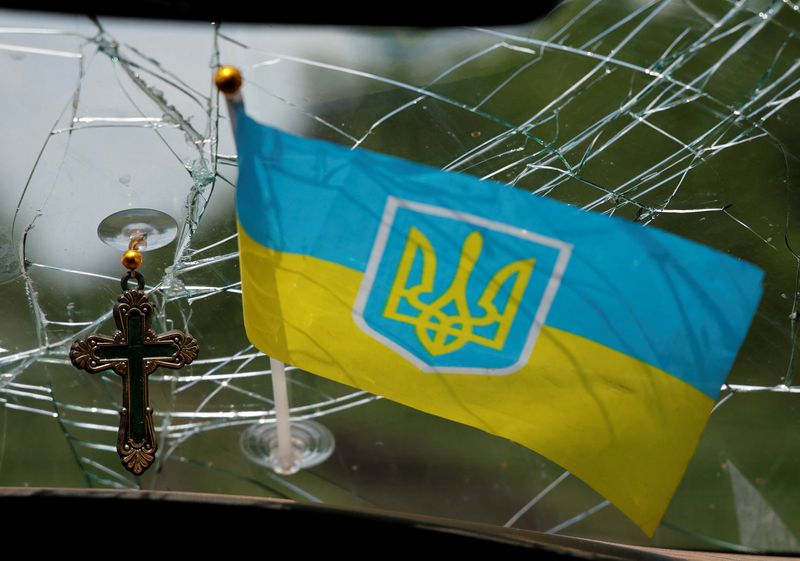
[(229, 81), (285, 463)]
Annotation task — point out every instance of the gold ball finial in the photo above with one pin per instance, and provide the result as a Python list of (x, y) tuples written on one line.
[(131, 259), (228, 79)]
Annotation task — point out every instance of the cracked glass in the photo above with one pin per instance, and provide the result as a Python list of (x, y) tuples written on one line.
[(680, 115)]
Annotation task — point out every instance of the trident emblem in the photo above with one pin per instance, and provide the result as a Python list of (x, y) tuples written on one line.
[(439, 331), (453, 292)]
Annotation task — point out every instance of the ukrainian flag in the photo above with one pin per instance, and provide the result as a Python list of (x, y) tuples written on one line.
[(598, 343)]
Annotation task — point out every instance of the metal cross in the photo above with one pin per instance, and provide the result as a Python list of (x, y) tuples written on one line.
[(134, 352)]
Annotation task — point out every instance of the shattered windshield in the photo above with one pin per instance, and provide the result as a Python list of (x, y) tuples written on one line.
[(677, 115)]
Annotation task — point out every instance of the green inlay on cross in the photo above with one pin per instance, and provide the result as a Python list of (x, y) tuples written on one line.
[(135, 382)]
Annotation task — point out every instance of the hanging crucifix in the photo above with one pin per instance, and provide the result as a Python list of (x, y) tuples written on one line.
[(134, 352)]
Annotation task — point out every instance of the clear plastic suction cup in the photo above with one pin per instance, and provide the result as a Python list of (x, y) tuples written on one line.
[(155, 228), (312, 444)]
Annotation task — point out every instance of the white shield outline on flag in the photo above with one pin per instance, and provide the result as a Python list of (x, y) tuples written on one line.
[(376, 255)]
